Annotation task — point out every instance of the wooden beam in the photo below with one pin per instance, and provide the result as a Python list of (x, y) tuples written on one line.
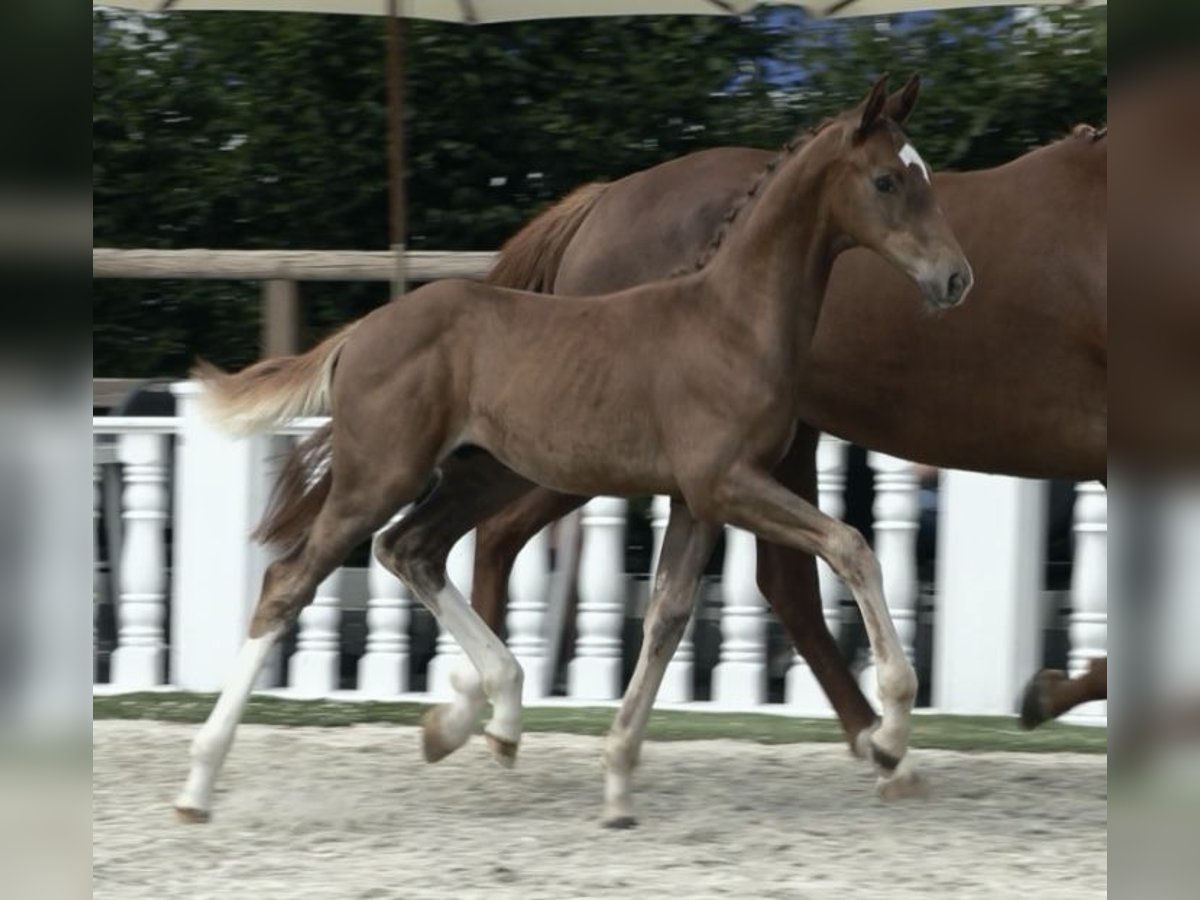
[(293, 265), (280, 318)]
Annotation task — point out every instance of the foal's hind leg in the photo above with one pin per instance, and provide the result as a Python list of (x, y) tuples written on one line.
[(288, 586), (415, 549), (687, 545)]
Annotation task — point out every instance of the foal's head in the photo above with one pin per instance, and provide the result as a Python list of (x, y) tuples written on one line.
[(879, 195)]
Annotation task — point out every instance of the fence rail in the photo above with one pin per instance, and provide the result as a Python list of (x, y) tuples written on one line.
[(289, 265)]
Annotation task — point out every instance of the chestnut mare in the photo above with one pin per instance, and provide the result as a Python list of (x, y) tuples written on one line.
[(1014, 383), (690, 387)]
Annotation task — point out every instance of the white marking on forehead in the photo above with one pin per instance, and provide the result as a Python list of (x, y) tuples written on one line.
[(910, 157)]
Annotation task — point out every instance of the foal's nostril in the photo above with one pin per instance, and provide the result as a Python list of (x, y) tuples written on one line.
[(955, 287)]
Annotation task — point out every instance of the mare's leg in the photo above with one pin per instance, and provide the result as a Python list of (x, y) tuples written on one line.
[(750, 498), (415, 549), (787, 577), (500, 538), (289, 584), (687, 545), (1050, 693)]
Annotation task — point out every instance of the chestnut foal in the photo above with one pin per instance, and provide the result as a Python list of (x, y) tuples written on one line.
[(686, 387)]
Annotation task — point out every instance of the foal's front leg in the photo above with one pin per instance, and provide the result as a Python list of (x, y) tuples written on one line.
[(687, 546), (750, 498)]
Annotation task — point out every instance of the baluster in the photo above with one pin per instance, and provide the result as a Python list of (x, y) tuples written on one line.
[(897, 513), (139, 658), (1089, 590), (740, 678), (383, 669), (97, 573), (595, 672), (677, 680), (803, 692), (315, 664), (460, 568), (527, 586)]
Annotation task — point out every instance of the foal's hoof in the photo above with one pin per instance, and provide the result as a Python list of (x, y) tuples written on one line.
[(1035, 701), (504, 752), (904, 785), (192, 816), (434, 744), (620, 823)]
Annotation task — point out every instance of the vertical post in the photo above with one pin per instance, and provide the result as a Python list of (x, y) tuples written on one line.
[(595, 672), (97, 570), (677, 680), (221, 487), (395, 121), (138, 659), (1089, 592), (991, 544), (280, 318), (740, 678), (803, 692), (383, 669), (315, 670), (460, 568), (897, 513), (527, 586)]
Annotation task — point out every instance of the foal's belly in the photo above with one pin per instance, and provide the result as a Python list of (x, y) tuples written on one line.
[(574, 455)]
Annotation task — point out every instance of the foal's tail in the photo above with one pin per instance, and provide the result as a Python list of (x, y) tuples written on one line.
[(271, 393), (529, 260)]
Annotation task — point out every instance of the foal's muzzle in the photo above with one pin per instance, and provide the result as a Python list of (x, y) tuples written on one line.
[(947, 289)]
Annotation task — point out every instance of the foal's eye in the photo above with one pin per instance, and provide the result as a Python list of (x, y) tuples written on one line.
[(885, 184)]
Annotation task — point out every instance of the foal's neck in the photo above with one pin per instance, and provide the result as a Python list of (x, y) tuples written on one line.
[(774, 264)]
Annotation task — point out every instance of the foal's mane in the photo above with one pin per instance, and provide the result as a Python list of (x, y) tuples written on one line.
[(793, 146)]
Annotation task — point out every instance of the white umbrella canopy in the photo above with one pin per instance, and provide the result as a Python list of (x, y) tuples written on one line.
[(481, 12)]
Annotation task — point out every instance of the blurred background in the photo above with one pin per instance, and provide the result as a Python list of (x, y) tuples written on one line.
[(270, 131)]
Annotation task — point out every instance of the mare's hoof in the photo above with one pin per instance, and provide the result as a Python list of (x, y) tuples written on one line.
[(504, 752), (434, 745), (620, 823), (1034, 706), (192, 816)]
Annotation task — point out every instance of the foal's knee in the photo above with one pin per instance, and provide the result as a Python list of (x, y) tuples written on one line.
[(849, 554)]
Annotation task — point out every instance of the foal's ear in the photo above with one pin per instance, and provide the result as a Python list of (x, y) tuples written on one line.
[(900, 105), (873, 105)]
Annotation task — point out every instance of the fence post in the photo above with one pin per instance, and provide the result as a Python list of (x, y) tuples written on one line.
[(991, 544), (138, 660), (383, 669), (739, 679), (280, 318), (802, 691), (897, 513), (677, 679), (314, 667), (97, 569), (595, 672), (527, 586), (221, 486), (1089, 592), (448, 655)]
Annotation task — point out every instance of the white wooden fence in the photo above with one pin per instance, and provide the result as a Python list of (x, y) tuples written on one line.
[(179, 473)]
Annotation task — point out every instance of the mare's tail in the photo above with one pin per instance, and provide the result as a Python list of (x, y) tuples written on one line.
[(529, 260)]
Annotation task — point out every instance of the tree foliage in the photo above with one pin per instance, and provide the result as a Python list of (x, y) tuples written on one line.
[(239, 130)]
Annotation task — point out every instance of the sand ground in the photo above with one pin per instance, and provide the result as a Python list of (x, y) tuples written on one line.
[(355, 813)]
